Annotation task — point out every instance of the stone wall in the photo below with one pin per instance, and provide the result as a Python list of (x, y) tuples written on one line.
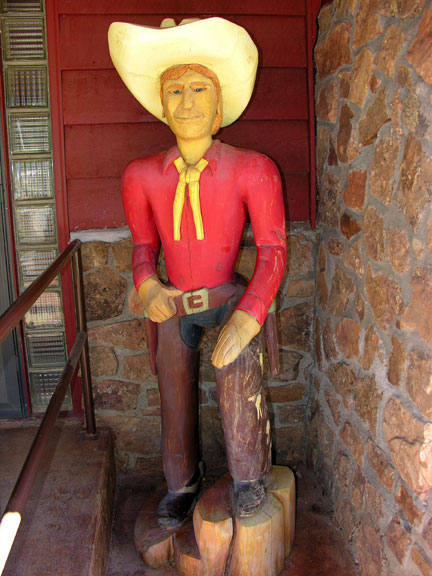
[(126, 394), (370, 410)]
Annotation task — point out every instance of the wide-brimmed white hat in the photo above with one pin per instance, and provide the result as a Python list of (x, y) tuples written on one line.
[(141, 53)]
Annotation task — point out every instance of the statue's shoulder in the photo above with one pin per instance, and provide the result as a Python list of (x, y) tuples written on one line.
[(146, 163), (145, 171)]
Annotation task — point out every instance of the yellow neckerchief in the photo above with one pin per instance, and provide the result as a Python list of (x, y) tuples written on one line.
[(189, 175)]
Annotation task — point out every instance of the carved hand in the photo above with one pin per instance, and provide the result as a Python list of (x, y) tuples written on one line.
[(158, 299), (235, 335)]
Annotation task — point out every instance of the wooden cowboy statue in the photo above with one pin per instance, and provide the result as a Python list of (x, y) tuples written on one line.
[(193, 200)]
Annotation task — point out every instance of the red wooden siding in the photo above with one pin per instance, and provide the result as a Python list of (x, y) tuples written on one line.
[(280, 39), (104, 150), (100, 97), (105, 128), (175, 7)]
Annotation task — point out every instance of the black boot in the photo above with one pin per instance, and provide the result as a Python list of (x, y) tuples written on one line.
[(248, 497), (175, 507)]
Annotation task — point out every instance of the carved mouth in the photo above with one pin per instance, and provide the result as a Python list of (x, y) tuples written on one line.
[(189, 118)]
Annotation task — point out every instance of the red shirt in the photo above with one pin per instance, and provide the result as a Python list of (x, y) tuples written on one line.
[(235, 182)]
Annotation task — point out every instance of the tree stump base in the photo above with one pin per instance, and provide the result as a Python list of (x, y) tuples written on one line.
[(186, 553), (155, 545), (218, 544)]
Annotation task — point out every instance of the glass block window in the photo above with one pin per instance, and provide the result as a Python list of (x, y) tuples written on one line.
[(21, 5), (35, 224), (24, 39), (29, 134), (33, 262), (27, 104), (32, 179), (46, 349), (46, 312), (26, 87), (43, 385)]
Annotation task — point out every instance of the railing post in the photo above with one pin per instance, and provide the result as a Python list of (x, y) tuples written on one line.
[(85, 357)]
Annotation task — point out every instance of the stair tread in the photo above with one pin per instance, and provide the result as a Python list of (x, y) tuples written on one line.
[(65, 526)]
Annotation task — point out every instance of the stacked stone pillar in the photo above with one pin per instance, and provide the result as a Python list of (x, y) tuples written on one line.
[(370, 411)]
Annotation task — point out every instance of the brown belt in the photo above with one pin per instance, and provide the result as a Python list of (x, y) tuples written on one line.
[(205, 298)]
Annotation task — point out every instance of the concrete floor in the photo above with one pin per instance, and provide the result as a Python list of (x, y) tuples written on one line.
[(318, 551), (63, 528), (66, 523)]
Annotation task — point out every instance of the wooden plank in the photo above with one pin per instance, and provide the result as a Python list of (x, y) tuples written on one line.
[(279, 94), (296, 192), (280, 40), (315, 7), (87, 34), (104, 150), (95, 203), (63, 232), (172, 7), (286, 142), (311, 27), (100, 97)]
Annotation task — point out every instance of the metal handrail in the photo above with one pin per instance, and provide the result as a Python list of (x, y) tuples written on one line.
[(8, 321)]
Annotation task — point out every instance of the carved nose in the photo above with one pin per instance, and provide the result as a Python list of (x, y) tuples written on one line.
[(188, 98)]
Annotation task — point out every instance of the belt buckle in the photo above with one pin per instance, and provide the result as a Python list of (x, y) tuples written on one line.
[(196, 301)]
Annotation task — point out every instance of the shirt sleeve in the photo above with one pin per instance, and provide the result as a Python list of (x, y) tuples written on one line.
[(263, 196), (139, 216)]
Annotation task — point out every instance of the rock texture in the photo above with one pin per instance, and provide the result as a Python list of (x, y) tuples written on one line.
[(369, 410)]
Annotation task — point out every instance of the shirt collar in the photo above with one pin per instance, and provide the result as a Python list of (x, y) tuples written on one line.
[(212, 156)]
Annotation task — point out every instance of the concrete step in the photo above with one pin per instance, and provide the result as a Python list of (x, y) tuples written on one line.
[(66, 526)]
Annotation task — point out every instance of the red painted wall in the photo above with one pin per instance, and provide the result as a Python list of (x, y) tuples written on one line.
[(105, 127)]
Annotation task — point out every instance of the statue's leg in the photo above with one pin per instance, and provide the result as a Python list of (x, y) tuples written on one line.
[(244, 415), (177, 366)]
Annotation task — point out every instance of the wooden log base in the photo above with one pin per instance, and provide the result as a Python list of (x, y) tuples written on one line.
[(186, 553), (259, 542), (282, 486), (213, 526), (154, 544), (215, 544)]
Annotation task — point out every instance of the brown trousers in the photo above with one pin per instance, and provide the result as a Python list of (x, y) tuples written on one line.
[(241, 402)]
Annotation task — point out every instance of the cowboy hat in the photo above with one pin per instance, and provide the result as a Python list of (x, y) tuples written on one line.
[(141, 53)]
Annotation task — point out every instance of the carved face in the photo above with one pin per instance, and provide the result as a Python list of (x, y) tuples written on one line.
[(190, 105)]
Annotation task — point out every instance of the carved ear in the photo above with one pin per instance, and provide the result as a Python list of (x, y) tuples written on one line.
[(218, 119), (219, 107)]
